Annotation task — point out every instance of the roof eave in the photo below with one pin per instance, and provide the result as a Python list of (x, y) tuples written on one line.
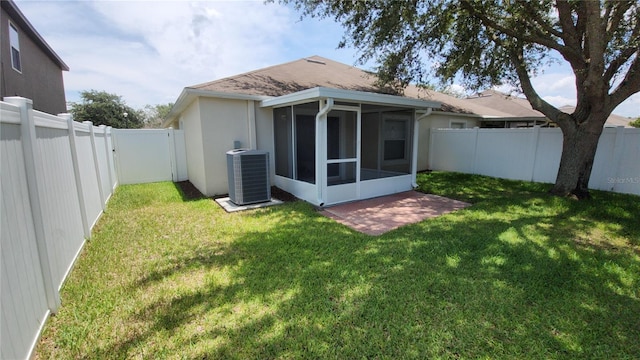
[(348, 96), (188, 95), (16, 15)]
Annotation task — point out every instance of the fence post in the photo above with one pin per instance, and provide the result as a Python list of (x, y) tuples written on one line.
[(618, 147), (533, 150), (112, 165), (28, 139), (431, 137), (172, 155), (96, 165), (108, 152), (475, 150), (76, 173)]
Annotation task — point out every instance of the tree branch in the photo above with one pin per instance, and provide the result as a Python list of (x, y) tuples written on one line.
[(514, 33), (570, 35), (517, 59), (545, 26), (629, 85), (622, 58), (613, 21)]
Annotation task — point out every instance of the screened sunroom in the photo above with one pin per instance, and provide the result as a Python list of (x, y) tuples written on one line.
[(333, 146)]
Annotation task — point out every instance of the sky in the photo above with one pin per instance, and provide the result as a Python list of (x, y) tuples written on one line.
[(148, 51)]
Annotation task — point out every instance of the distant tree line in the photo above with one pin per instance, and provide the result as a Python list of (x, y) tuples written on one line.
[(103, 108)]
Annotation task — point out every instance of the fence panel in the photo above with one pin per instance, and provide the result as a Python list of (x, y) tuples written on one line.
[(493, 160), (451, 151), (60, 204), (49, 185), (547, 155), (627, 173), (149, 155), (103, 164), (22, 297), (533, 154), (92, 199)]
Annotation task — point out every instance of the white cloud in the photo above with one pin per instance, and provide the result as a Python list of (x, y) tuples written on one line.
[(147, 51), (559, 101)]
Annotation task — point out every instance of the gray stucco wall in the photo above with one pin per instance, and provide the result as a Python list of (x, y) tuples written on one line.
[(41, 78)]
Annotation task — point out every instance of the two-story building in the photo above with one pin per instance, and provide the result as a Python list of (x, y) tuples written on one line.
[(29, 66)]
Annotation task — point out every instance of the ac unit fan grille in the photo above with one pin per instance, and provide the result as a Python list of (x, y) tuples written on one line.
[(248, 177)]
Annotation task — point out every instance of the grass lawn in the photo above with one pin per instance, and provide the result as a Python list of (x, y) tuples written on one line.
[(519, 274)]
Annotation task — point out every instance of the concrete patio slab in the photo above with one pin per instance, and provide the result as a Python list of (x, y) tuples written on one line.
[(229, 206), (379, 215)]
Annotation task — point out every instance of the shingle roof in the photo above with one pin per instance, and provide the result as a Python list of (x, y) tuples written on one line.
[(520, 107), (316, 71), (510, 104), (613, 120)]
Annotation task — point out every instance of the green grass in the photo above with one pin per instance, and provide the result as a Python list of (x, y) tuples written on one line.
[(519, 274)]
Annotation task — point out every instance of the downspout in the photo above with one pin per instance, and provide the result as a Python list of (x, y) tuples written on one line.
[(414, 156), (321, 139)]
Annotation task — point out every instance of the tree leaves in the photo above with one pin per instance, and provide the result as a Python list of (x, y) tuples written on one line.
[(103, 108)]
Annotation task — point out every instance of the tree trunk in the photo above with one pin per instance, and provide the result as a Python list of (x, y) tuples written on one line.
[(578, 152)]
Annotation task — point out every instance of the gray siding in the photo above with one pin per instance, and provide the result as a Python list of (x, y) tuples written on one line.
[(41, 78)]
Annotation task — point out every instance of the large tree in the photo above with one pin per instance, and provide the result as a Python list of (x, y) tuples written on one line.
[(154, 115), (103, 108), (493, 42)]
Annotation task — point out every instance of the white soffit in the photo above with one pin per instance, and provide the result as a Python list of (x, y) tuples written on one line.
[(348, 96)]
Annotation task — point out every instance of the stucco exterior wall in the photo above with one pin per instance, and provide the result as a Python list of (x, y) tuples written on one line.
[(223, 122), (40, 79), (264, 135), (191, 123), (437, 121)]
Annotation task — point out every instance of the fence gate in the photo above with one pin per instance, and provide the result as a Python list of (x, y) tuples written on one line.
[(149, 155)]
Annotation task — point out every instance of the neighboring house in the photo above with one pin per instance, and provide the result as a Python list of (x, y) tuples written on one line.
[(522, 114), (29, 67), (613, 120)]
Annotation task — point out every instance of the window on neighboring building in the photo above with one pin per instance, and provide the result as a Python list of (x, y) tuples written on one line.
[(458, 125), (15, 48)]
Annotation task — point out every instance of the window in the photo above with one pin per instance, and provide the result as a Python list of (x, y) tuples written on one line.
[(395, 139), (458, 125), (15, 48)]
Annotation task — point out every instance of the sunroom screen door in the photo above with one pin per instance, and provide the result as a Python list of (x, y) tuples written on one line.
[(343, 154)]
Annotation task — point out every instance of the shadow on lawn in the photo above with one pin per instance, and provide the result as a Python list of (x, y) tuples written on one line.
[(303, 286)]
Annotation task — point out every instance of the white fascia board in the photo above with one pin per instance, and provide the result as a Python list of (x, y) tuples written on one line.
[(188, 95), (491, 117), (348, 96)]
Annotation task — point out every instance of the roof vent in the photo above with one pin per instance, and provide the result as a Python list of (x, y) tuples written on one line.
[(316, 61)]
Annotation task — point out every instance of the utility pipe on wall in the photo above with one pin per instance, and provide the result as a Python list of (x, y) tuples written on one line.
[(414, 157), (321, 139)]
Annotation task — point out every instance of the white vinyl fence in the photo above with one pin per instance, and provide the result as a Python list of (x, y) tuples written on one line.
[(533, 154), (57, 176), (149, 155)]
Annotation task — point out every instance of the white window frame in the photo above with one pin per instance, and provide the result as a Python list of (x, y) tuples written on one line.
[(15, 44), (407, 138), (463, 123)]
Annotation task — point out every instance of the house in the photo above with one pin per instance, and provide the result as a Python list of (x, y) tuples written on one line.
[(332, 134), (522, 114), (29, 66)]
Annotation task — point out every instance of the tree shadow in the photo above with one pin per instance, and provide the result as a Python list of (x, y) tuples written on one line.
[(470, 284)]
